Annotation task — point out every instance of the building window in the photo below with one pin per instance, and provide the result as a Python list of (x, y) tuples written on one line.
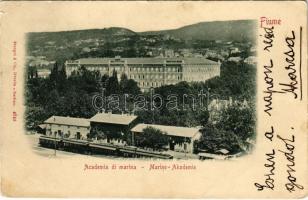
[(60, 133), (68, 133)]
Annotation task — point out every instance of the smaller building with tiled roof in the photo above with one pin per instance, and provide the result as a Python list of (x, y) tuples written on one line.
[(67, 127), (113, 127), (181, 138)]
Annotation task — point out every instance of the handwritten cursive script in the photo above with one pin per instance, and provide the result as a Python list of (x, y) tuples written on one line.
[(270, 165), (290, 87), (291, 185)]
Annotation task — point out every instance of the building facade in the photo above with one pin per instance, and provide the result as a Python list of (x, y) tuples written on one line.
[(118, 129), (151, 72), (112, 128), (181, 139), (251, 60), (67, 127)]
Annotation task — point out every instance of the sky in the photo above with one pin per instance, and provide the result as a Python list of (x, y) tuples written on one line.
[(137, 16)]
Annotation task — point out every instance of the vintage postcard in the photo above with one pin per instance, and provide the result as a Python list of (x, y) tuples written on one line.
[(154, 99)]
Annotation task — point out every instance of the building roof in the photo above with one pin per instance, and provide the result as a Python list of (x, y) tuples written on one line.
[(110, 118), (213, 156), (42, 126), (70, 121), (169, 130), (98, 61)]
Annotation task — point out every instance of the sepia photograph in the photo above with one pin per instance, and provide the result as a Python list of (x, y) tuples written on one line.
[(153, 99), (185, 93)]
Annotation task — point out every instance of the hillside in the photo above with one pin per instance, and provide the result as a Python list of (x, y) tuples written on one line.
[(238, 30), (109, 42), (59, 38)]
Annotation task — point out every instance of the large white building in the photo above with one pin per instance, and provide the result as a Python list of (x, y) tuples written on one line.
[(151, 72)]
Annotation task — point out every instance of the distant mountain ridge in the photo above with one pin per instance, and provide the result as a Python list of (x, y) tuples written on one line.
[(238, 30), (81, 34), (109, 42)]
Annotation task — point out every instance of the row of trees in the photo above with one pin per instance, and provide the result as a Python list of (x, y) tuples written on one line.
[(69, 96)]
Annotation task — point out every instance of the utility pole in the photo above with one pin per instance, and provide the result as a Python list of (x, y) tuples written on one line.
[(133, 142), (55, 144), (185, 144), (208, 98)]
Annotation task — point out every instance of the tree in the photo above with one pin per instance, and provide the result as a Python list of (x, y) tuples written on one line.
[(214, 139), (34, 115), (52, 104), (104, 80), (131, 87), (113, 84), (240, 121), (123, 83), (58, 77), (61, 79), (53, 76), (203, 117), (152, 138)]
